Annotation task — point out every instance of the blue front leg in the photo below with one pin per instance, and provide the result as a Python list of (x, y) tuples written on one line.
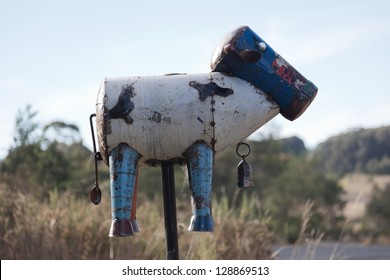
[(123, 173), (200, 164)]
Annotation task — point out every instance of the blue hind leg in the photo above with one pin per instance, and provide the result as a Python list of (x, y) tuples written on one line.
[(200, 163), (123, 172)]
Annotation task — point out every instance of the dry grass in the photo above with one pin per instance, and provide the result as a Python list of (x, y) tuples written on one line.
[(65, 227), (358, 188)]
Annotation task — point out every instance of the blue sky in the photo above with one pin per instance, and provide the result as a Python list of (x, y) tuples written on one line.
[(54, 54)]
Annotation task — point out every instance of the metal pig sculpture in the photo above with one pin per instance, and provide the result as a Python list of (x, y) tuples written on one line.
[(191, 119)]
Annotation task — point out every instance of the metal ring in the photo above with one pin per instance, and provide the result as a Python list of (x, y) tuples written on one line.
[(238, 147)]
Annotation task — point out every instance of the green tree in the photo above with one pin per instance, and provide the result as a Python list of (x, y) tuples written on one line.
[(378, 211), (25, 128), (24, 152), (362, 150), (38, 161), (288, 194)]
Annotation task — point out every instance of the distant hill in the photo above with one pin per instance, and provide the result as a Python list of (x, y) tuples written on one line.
[(362, 150), (293, 145)]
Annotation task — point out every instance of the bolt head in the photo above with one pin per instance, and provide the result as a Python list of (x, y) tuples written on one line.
[(261, 46)]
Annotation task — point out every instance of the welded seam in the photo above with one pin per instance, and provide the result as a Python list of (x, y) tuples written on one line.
[(213, 140)]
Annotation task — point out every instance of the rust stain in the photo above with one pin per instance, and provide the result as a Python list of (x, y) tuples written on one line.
[(157, 163), (167, 119), (250, 56), (288, 73), (246, 55), (298, 105), (156, 117), (120, 153), (121, 227), (95, 196), (201, 202)]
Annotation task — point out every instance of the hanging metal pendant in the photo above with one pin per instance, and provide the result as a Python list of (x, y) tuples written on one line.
[(95, 195), (244, 169)]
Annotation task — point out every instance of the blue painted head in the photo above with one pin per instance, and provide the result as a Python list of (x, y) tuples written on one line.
[(244, 54)]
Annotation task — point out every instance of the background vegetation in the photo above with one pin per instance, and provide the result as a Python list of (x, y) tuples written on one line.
[(48, 172), (361, 150)]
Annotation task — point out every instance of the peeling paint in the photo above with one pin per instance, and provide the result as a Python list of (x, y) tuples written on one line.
[(199, 119), (124, 105), (156, 117), (210, 89), (288, 73)]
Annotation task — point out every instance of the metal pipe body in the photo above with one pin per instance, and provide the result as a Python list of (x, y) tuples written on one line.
[(162, 116)]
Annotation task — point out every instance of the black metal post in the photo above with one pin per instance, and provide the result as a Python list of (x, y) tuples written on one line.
[(170, 219)]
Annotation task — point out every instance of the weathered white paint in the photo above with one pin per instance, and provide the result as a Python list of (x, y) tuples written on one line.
[(168, 115)]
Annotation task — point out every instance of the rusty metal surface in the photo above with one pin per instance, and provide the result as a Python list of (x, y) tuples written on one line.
[(95, 195), (244, 169), (133, 215), (244, 175)]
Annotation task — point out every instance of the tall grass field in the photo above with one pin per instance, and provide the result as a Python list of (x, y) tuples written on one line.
[(68, 227)]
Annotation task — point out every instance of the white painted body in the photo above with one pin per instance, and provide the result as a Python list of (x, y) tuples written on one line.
[(168, 115)]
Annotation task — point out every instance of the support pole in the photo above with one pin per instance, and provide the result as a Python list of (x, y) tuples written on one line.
[(170, 219)]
